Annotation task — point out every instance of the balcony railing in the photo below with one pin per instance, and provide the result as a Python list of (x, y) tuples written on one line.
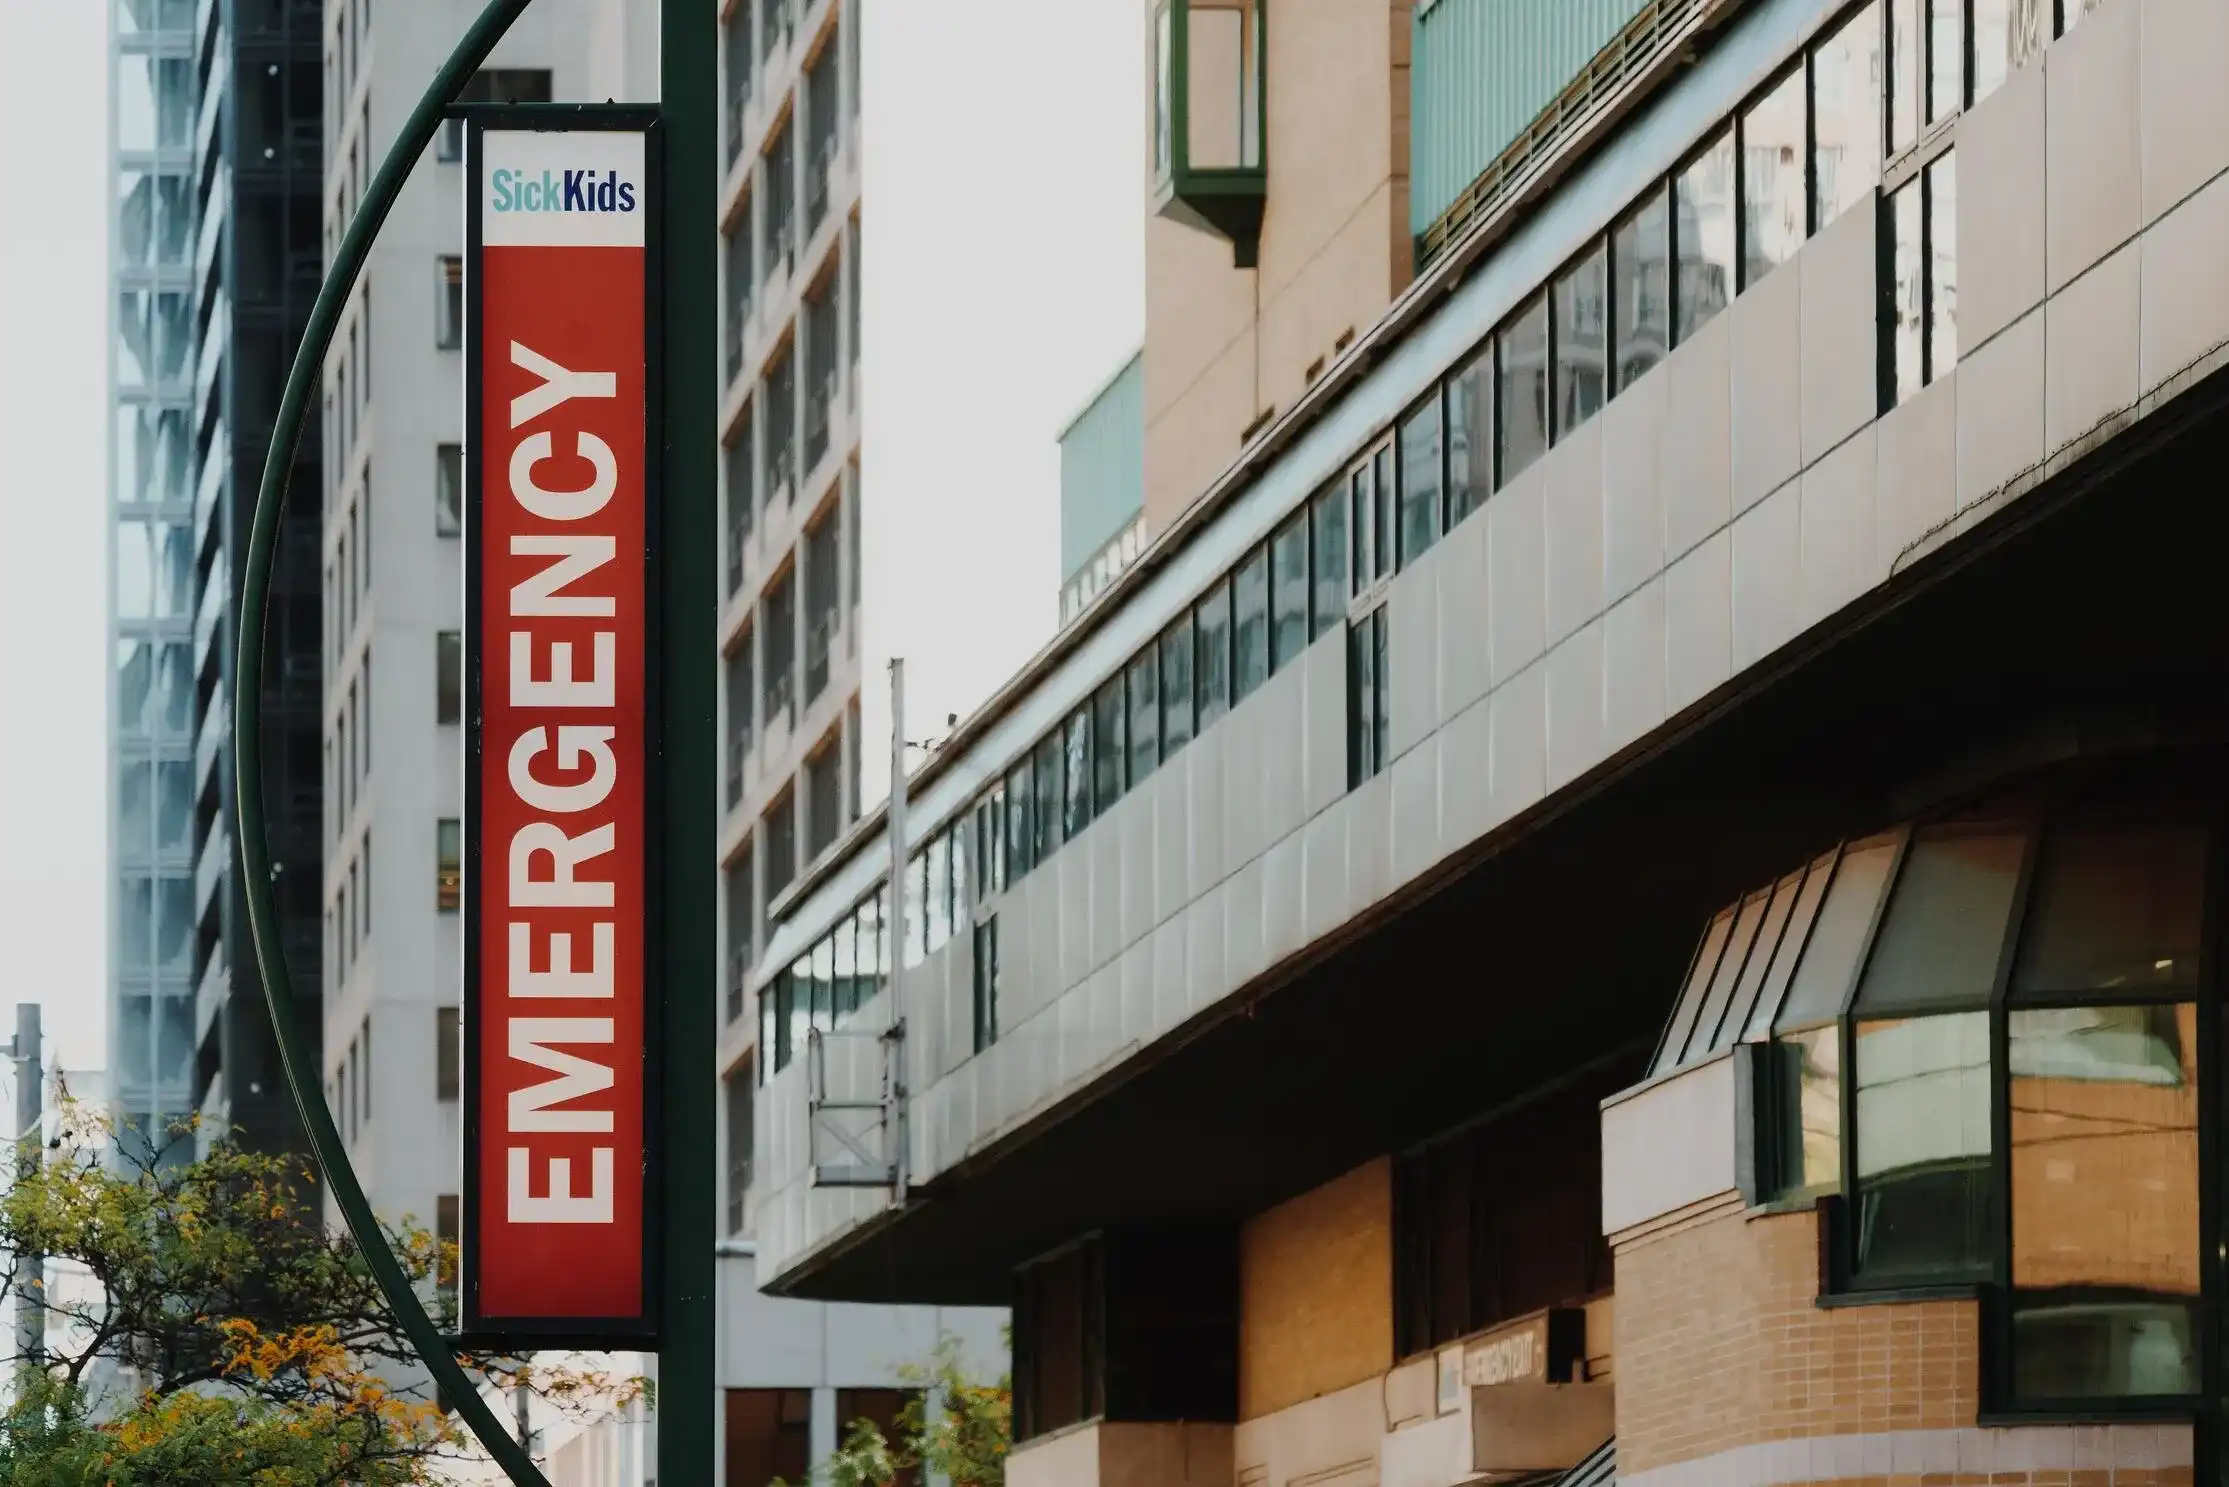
[(820, 638)]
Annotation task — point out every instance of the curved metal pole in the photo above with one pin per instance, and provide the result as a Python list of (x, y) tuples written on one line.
[(302, 1080)]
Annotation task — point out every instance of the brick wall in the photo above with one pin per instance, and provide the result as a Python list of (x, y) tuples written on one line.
[(1316, 1292), (1720, 1344)]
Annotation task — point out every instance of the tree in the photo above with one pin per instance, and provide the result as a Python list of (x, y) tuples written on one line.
[(965, 1442), (226, 1335)]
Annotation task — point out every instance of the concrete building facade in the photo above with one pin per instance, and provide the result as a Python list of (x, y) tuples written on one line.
[(1628, 889)]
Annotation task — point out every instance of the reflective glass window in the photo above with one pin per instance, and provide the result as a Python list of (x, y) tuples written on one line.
[(2008, 35), (1641, 266), (1942, 265), (1288, 592), (1110, 755), (1144, 684), (1846, 90), (1021, 808), (1327, 521), (1819, 987), (1907, 291), (1906, 49), (2105, 1201), (1946, 58), (1420, 480), (1076, 774), (1775, 194), (1523, 343), (1250, 625), (2115, 909), (1176, 686), (1211, 672), (1582, 340), (1924, 1202), (1808, 1065), (1470, 435), (1051, 780), (1795, 937), (1703, 236), (1944, 933)]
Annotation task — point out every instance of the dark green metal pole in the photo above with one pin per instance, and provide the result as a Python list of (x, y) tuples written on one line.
[(248, 827), (689, 609)]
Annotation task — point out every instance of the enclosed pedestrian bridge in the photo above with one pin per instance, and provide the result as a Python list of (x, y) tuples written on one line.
[(1810, 433)]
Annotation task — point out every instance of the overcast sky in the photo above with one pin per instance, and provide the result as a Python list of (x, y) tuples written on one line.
[(1004, 266), (53, 581)]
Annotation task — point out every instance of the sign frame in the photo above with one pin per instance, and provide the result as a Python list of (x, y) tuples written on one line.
[(479, 1328)]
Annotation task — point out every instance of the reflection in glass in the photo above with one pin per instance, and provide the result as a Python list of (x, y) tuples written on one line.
[(1942, 255), (1944, 932), (1328, 529), (177, 688), (1703, 236), (2105, 1257), (2115, 908), (1810, 1070), (1524, 389), (1922, 1210), (1250, 625), (135, 921), (1176, 687), (1112, 752), (1905, 45), (1773, 195), (1795, 940), (174, 923), (1020, 835), (1740, 945), (1907, 348), (1211, 674), (1470, 436), (174, 1038), (1420, 481), (1946, 58), (1382, 556), (135, 685), (1051, 787), (174, 805), (1582, 340), (1075, 808), (1641, 265), (1144, 684), (1288, 592), (135, 1031)]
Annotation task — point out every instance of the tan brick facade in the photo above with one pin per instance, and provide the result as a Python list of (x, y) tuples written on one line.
[(1720, 1343)]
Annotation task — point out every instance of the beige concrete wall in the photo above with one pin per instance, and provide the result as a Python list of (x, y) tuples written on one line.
[(1316, 1292), (1223, 346)]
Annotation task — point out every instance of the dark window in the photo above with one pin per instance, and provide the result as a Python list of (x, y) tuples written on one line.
[(1470, 436), (740, 701), (777, 632), (990, 844), (448, 303), (1523, 344), (1288, 592), (768, 1435), (824, 811), (1327, 521), (1847, 99), (1250, 625), (739, 1135), (448, 1053), (1582, 340), (1775, 196), (1211, 672), (448, 489), (1144, 686), (1943, 936), (1110, 754), (1641, 267), (780, 839), (1703, 236), (740, 906), (1076, 775), (1501, 1220), (448, 676), (738, 460), (986, 984), (1176, 687), (1052, 784), (1021, 810), (2116, 909), (1059, 1342), (1368, 697), (1420, 480)]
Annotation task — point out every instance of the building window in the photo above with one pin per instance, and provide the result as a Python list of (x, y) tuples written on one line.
[(1582, 336), (778, 396), (1921, 325), (448, 889), (1051, 783), (1525, 402), (1641, 270), (448, 676), (780, 837), (1211, 671), (1703, 237), (1327, 526), (738, 67), (447, 1230), (448, 1053), (823, 602), (1420, 481), (1110, 753), (990, 845), (448, 304), (1846, 115), (739, 1138), (740, 700), (1176, 687), (737, 462), (1288, 592), (777, 630), (1076, 774), (1369, 703), (1470, 436), (448, 489), (778, 221), (1143, 683), (986, 984), (2007, 35), (823, 800), (738, 278), (741, 905), (1775, 192), (768, 1434)]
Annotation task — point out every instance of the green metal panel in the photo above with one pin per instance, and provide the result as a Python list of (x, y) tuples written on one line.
[(1102, 467), (1481, 71)]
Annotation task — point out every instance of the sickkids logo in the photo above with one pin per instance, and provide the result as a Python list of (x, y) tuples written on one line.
[(561, 191)]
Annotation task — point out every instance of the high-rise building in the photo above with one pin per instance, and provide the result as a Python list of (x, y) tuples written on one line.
[(214, 257)]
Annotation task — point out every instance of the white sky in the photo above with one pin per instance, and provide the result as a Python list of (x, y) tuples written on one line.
[(53, 580), (1003, 283)]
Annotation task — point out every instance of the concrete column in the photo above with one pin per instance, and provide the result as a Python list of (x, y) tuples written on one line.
[(821, 1432)]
